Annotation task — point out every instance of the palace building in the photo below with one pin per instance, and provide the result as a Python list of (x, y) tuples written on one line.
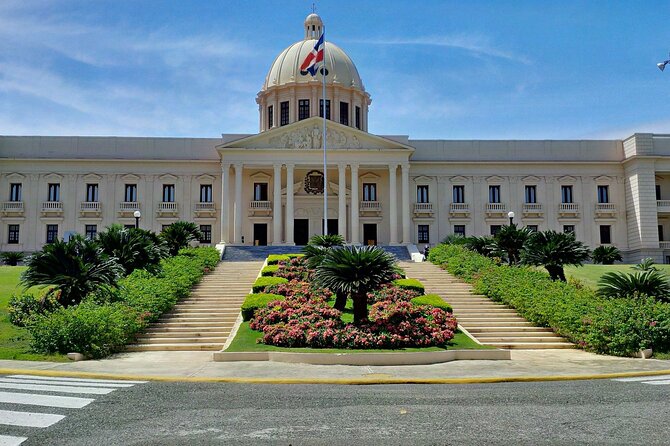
[(267, 188)]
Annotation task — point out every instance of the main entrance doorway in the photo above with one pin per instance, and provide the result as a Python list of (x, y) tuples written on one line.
[(370, 234), (301, 231), (260, 234), (332, 226)]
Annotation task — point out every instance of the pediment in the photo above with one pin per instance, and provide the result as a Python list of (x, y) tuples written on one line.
[(494, 179), (603, 179), (53, 177), (422, 179), (567, 179), (15, 176), (92, 177), (168, 177), (260, 176), (459, 179), (369, 176), (130, 177), (531, 179), (205, 177)]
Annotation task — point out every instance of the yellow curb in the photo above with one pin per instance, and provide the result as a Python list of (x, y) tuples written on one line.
[(339, 381)]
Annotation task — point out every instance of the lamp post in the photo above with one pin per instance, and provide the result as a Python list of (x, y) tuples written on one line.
[(661, 65), (137, 215), (510, 215)]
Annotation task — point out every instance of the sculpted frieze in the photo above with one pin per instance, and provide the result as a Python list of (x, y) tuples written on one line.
[(310, 138)]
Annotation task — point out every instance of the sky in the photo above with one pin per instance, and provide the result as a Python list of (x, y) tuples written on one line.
[(435, 69)]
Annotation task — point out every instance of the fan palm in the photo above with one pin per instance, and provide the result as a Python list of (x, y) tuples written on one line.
[(554, 250), (508, 243), (356, 271), (74, 268), (315, 251), (133, 248), (179, 234), (12, 258), (479, 244), (646, 265), (649, 282), (606, 255)]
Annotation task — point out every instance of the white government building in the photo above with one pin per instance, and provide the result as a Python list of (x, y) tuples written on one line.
[(266, 188)]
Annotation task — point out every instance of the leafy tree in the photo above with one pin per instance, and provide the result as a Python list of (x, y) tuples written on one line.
[(11, 258), (133, 248), (646, 265), (74, 269), (356, 271), (649, 283), (606, 255), (315, 251), (179, 234), (508, 243), (554, 250)]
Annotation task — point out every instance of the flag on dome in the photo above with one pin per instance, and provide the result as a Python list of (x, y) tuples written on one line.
[(313, 58)]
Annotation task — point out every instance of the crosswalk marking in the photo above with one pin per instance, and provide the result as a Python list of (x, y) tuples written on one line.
[(52, 388), (28, 419), (31, 399), (664, 382), (8, 440), (83, 380), (642, 378), (65, 383)]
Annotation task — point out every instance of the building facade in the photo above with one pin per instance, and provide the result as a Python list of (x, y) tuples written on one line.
[(267, 188)]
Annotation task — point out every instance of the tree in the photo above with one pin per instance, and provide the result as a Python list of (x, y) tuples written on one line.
[(74, 268), (11, 258), (315, 251), (554, 250), (508, 243), (179, 234), (356, 271), (479, 244), (133, 248), (606, 255), (650, 283)]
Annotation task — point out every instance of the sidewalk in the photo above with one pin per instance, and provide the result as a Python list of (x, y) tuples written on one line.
[(524, 365)]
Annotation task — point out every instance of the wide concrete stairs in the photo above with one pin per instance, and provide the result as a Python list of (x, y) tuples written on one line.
[(489, 322), (203, 320)]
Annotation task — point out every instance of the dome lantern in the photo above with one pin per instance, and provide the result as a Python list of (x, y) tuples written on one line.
[(313, 26)]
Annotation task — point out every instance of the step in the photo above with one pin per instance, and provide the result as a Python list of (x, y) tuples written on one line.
[(196, 319), (518, 331), (515, 339), (483, 310), (494, 323), (182, 340), (503, 318), (174, 347), (204, 310), (530, 345), (192, 325), (223, 328)]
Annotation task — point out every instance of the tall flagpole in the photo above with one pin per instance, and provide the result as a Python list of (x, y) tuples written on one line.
[(323, 138)]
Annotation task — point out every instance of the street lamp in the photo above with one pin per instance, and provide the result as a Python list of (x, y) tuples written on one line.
[(510, 215), (661, 65), (137, 215)]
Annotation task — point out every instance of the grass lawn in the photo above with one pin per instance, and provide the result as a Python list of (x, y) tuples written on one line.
[(15, 341), (590, 274)]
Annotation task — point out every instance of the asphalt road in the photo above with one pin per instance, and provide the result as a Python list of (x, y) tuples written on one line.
[(572, 412)]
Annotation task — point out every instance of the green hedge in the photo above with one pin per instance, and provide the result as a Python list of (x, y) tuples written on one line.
[(612, 326), (433, 300), (269, 270), (255, 301), (409, 284), (274, 259), (263, 282)]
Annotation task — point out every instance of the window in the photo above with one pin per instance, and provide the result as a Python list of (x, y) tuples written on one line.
[(271, 117), (422, 194), (303, 109), (532, 228), (168, 193), (658, 192), (92, 192), (357, 117), (566, 194), (327, 108), (91, 231), (605, 234), (459, 194), (423, 234), (531, 194), (344, 113), (130, 194), (13, 234), (15, 192), (206, 233), (54, 192), (163, 227), (660, 233), (603, 194), (494, 194), (260, 191), (568, 229), (459, 230), (52, 233), (495, 229), (129, 226), (369, 191), (205, 193), (283, 113)]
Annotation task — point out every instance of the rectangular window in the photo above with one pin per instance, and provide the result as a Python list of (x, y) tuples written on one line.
[(358, 118), (92, 193), (327, 108), (369, 191), (91, 231), (422, 194), (260, 191), (168, 193), (569, 229), (54, 192), (658, 192), (459, 194), (15, 192), (303, 109), (603, 194), (164, 227), (494, 194), (566, 194), (129, 226), (660, 233), (52, 233), (495, 229), (271, 117), (605, 234), (205, 193), (206, 232), (531, 194), (532, 228), (459, 230), (283, 113), (344, 113), (13, 234), (130, 193), (423, 234)]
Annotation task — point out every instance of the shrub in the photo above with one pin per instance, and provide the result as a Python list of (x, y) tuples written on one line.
[(293, 269), (269, 270), (133, 248), (24, 308), (179, 234), (432, 300), (274, 259), (649, 283), (262, 283), (255, 301), (409, 284), (393, 293), (11, 258), (606, 255)]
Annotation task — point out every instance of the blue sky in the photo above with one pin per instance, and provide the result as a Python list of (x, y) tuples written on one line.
[(435, 69)]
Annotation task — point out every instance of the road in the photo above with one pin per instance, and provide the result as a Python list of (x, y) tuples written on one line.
[(154, 413)]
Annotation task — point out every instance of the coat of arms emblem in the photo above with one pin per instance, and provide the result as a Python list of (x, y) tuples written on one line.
[(314, 182)]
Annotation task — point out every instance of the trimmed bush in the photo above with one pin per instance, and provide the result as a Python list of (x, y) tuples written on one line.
[(255, 301), (25, 308), (274, 259), (409, 284), (432, 300), (263, 282), (269, 270)]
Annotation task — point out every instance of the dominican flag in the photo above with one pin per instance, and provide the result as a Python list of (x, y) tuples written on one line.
[(313, 58)]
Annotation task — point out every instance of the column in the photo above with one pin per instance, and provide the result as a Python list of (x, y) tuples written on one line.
[(355, 239), (238, 203), (393, 204), (225, 202), (342, 200), (276, 206), (289, 205), (406, 224)]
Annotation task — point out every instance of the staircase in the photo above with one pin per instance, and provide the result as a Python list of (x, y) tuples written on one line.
[(256, 253), (204, 319), (400, 252), (491, 323)]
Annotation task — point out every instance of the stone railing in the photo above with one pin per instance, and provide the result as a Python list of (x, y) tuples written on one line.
[(129, 206), (12, 207), (52, 206), (370, 206), (532, 208), (664, 245), (167, 207), (495, 208), (261, 205), (459, 208), (204, 207), (605, 209), (423, 208), (663, 205), (90, 206), (568, 208)]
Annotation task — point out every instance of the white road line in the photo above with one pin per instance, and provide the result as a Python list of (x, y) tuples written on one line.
[(83, 380), (64, 383), (60, 389), (28, 419), (643, 378), (36, 399), (8, 440), (658, 383)]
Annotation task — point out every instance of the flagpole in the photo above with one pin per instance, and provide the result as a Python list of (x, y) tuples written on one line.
[(323, 138)]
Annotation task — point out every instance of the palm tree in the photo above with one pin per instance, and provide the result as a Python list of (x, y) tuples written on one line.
[(508, 243), (649, 283), (12, 258), (554, 250), (479, 244), (315, 251), (179, 234), (133, 248), (356, 271), (74, 268), (606, 255), (646, 265)]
